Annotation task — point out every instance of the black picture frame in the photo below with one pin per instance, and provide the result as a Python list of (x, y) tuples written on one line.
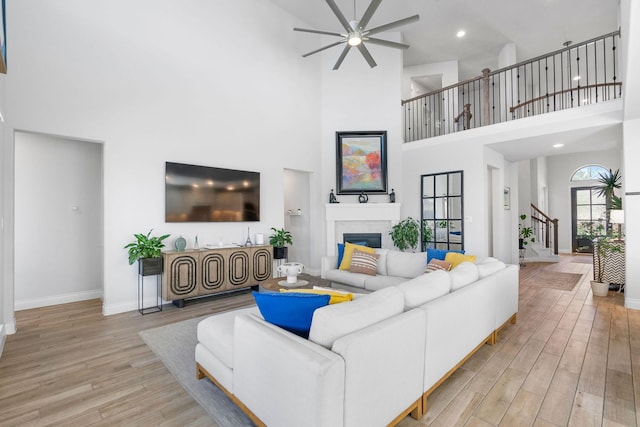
[(361, 162)]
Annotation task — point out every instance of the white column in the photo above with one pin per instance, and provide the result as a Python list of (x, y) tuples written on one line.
[(630, 13)]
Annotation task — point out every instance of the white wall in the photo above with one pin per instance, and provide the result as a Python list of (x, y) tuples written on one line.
[(419, 158), (448, 70), (6, 303), (359, 98), (58, 226), (161, 81), (630, 12)]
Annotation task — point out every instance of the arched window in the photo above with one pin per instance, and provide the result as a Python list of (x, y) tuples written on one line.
[(589, 172)]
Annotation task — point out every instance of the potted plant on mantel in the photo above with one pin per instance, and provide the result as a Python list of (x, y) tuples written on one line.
[(604, 247), (279, 240), (405, 234), (147, 250)]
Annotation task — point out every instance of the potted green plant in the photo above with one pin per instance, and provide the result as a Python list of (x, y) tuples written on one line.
[(147, 250), (604, 247), (525, 233), (279, 240), (405, 234)]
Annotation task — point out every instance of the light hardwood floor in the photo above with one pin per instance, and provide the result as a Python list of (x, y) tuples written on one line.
[(572, 359)]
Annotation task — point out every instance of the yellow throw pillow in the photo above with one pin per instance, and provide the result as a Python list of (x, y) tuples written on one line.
[(456, 258), (348, 254), (336, 296)]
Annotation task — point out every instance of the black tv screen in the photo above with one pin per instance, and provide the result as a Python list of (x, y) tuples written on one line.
[(208, 194)]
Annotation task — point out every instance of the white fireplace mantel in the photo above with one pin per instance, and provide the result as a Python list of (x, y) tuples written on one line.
[(335, 212)]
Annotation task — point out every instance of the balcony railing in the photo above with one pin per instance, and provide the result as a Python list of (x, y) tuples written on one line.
[(580, 74)]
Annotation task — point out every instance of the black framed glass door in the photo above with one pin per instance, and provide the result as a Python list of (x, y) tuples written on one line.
[(588, 218)]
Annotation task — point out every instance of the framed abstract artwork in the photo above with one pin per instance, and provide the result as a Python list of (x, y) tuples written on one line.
[(361, 162)]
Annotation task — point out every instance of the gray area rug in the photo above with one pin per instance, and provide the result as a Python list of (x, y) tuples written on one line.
[(175, 346)]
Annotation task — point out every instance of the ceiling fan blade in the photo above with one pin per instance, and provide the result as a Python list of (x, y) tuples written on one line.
[(328, 33), (367, 56), (342, 56), (386, 43), (393, 24), (334, 7), (373, 6), (323, 48)]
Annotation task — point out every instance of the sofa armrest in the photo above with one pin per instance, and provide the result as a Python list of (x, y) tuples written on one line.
[(286, 380), (384, 368), (507, 292), (328, 263)]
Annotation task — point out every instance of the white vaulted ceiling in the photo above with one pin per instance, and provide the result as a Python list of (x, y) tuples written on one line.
[(534, 26)]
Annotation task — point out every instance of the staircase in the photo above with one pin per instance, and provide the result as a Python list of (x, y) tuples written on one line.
[(537, 252), (545, 230)]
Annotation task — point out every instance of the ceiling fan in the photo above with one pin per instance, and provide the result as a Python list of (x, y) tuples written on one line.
[(356, 33)]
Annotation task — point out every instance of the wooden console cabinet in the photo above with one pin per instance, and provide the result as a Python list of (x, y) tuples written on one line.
[(194, 273)]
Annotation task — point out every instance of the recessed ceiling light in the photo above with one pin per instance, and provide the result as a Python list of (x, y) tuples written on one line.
[(460, 33), (558, 145), (576, 78)]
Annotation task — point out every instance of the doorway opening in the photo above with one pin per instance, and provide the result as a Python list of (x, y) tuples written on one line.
[(58, 250)]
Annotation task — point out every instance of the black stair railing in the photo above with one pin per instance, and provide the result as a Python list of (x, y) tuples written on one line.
[(580, 74)]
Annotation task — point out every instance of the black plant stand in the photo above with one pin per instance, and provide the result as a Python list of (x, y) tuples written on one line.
[(146, 271)]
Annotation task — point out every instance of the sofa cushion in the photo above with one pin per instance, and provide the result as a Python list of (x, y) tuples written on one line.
[(455, 259), (440, 253), (348, 253), (345, 277), (335, 296), (436, 265), (463, 275), (381, 268), (290, 311), (405, 264), (341, 251), (334, 321), (424, 288), (487, 268), (365, 263), (216, 333), (374, 283)]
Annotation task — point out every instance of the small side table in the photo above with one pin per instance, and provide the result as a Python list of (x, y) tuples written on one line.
[(148, 270), (521, 253)]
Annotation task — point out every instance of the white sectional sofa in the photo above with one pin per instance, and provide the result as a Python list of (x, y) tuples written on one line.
[(371, 361), (393, 268)]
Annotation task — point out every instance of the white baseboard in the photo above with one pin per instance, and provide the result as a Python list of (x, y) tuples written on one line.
[(110, 309), (57, 299), (632, 303)]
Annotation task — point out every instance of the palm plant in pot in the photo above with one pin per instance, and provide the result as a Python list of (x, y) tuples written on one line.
[(405, 234), (279, 240), (147, 250), (603, 247)]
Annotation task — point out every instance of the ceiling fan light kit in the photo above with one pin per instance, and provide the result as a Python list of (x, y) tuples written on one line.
[(356, 33)]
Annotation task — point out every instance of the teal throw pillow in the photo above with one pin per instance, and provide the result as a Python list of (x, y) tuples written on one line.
[(291, 311)]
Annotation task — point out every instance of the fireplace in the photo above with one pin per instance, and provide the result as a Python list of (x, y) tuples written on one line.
[(372, 240), (360, 218)]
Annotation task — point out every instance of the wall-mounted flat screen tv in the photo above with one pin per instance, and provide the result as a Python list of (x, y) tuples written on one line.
[(208, 194)]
